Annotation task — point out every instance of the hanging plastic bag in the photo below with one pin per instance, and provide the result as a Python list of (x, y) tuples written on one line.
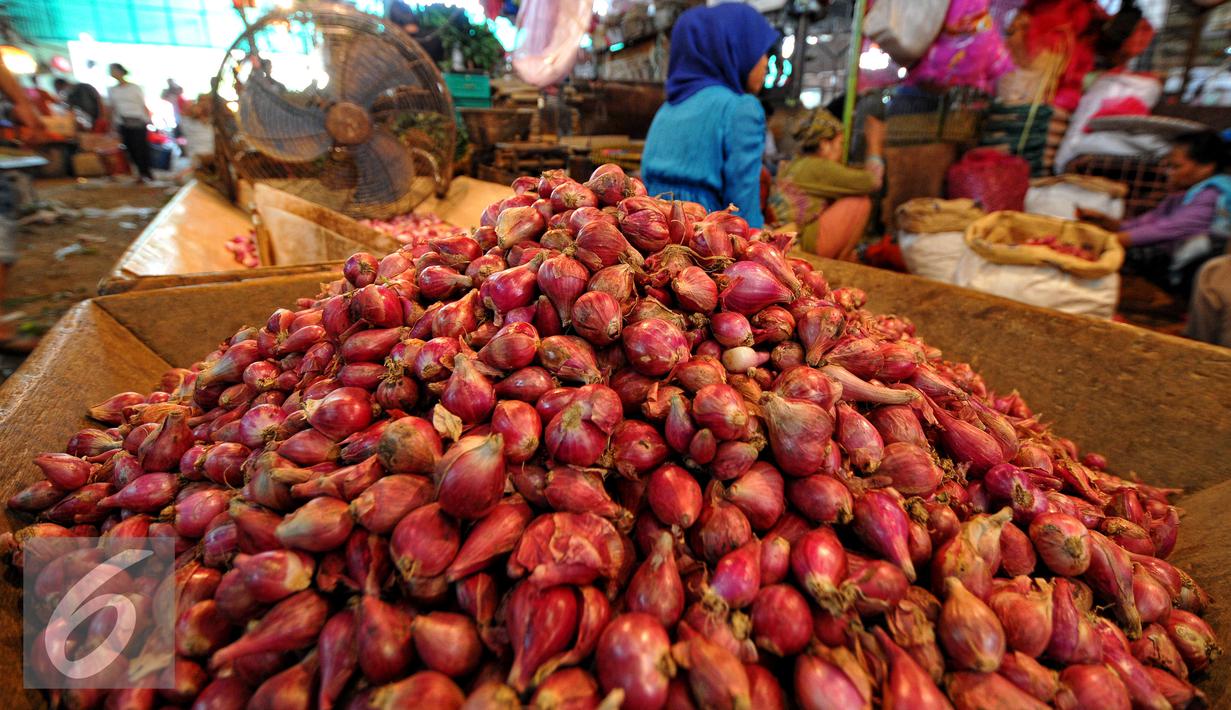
[(970, 50), (548, 33), (905, 29), (874, 76), (1110, 86)]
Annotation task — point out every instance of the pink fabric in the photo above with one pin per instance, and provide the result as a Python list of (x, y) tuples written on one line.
[(969, 52)]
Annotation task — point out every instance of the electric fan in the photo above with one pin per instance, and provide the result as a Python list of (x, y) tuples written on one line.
[(334, 106)]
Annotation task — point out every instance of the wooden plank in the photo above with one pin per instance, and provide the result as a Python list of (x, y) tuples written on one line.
[(110, 286), (187, 236), (84, 359), (183, 325)]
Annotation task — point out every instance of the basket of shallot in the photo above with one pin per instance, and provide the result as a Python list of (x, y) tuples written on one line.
[(609, 450)]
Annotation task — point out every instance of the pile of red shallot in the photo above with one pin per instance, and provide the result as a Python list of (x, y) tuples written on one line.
[(1053, 242), (612, 451), (243, 249), (414, 229)]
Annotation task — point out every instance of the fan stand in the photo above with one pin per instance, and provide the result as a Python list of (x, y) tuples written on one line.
[(348, 123)]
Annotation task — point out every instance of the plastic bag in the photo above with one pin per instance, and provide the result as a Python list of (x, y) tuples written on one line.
[(905, 29), (993, 179), (1112, 85), (970, 50), (549, 33), (1117, 143)]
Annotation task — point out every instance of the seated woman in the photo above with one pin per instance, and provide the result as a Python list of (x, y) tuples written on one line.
[(1192, 224), (827, 202)]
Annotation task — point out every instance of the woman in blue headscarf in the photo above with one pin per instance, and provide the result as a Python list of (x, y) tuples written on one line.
[(706, 142)]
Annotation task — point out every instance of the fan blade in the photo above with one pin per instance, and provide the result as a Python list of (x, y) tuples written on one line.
[(339, 172), (364, 66), (277, 127), (385, 169)]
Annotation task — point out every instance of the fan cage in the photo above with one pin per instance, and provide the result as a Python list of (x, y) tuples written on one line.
[(418, 111)]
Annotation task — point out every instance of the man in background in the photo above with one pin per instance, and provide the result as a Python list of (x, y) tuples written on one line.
[(174, 95)]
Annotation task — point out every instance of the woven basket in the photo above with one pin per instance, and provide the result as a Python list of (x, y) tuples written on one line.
[(999, 238)]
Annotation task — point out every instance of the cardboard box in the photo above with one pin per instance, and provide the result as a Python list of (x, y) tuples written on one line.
[(464, 204), (110, 344), (186, 244), (291, 230), (1156, 405)]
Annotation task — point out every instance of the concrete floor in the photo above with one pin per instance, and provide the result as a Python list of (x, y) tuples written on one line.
[(61, 261)]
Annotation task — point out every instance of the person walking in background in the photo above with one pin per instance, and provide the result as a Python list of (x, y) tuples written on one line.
[(174, 95), (827, 202), (132, 117), (707, 142)]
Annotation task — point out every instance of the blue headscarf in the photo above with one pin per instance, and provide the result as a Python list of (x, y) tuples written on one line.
[(716, 46)]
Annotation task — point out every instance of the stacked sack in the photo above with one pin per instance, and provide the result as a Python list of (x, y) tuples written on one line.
[(932, 235)]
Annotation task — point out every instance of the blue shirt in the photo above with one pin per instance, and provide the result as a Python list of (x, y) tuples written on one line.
[(707, 149)]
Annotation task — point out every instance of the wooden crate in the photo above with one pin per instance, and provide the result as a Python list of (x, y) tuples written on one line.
[(185, 244), (530, 158), (627, 156), (489, 126), (1156, 405), (489, 173)]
